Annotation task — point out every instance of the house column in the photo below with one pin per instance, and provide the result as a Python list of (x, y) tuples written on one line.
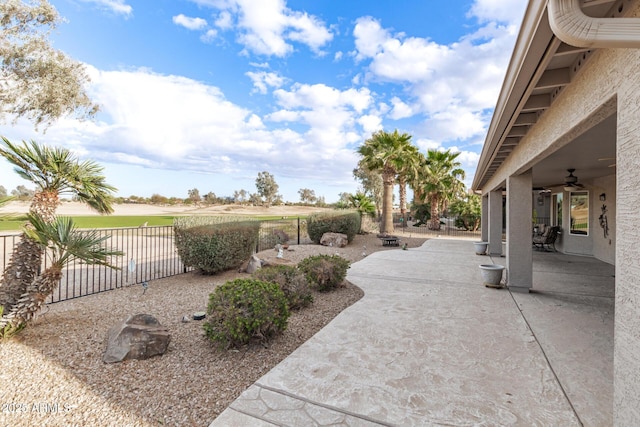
[(519, 252), (495, 222), (484, 224)]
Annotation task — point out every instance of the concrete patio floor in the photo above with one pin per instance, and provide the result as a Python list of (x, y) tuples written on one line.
[(429, 345)]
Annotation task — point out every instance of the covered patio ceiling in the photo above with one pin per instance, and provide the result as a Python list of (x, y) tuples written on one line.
[(541, 66)]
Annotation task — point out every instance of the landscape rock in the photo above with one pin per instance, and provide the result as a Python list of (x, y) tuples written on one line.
[(254, 264), (138, 337), (337, 240)]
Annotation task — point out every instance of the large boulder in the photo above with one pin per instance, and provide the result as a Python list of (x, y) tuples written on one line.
[(338, 240), (138, 337)]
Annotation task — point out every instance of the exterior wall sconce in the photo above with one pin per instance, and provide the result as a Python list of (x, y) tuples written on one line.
[(603, 197)]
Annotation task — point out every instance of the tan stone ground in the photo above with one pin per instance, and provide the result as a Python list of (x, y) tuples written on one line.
[(53, 375)]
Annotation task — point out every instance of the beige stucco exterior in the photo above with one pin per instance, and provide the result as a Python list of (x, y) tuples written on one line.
[(605, 90)]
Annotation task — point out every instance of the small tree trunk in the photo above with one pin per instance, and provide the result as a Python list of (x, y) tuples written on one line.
[(387, 204), (435, 214), (403, 197), (33, 299), (23, 268), (26, 259)]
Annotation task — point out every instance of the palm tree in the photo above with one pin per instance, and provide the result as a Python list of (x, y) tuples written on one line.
[(63, 243), (54, 171), (439, 181), (387, 153)]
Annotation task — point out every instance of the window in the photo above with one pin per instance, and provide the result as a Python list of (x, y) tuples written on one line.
[(556, 210), (579, 212)]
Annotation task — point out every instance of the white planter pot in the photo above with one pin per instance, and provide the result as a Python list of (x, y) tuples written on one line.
[(481, 247), (491, 275)]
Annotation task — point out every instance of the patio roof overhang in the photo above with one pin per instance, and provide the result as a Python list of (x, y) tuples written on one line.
[(541, 66)]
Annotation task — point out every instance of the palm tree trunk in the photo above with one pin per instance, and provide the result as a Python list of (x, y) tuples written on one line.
[(435, 214), (403, 196), (23, 268), (26, 259), (387, 202), (33, 299)]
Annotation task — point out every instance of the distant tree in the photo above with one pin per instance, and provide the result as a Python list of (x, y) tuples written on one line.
[(37, 81), (468, 211), (267, 188), (157, 199), (194, 195), (344, 200), (387, 153), (307, 195), (3, 191), (255, 199), (240, 196), (371, 184), (363, 204), (439, 181), (22, 193), (320, 202), (210, 198)]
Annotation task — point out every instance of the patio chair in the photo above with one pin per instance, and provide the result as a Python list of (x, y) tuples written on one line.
[(547, 240)]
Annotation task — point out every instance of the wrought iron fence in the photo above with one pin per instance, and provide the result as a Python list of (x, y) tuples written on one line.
[(149, 254), (451, 226)]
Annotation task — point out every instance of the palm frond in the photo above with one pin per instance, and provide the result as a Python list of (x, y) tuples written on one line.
[(58, 170), (66, 243)]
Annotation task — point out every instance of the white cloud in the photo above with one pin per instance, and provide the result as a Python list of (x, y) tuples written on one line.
[(224, 21), (175, 123), (267, 27), (498, 10), (116, 6), (400, 109), (189, 23), (263, 80), (450, 85), (209, 36)]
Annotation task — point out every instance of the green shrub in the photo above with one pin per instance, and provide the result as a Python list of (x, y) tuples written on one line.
[(335, 222), (216, 247), (245, 309), (292, 282), (326, 272)]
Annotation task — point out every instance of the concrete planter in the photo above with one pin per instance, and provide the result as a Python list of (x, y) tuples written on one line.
[(481, 247), (491, 275)]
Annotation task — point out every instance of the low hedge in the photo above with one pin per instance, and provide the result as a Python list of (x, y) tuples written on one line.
[(325, 272), (217, 247), (339, 222), (292, 282)]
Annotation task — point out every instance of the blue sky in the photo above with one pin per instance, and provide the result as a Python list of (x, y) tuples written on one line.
[(207, 93)]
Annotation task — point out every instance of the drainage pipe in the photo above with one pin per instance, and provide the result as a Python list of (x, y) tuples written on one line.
[(573, 27)]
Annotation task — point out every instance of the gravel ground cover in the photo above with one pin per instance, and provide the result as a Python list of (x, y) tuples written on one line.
[(53, 375)]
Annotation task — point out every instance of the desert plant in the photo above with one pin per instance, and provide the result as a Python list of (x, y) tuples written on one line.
[(245, 309), (292, 282), (336, 222), (326, 272), (64, 244), (216, 247)]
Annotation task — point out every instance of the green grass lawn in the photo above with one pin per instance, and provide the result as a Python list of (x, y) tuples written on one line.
[(106, 221), (109, 221)]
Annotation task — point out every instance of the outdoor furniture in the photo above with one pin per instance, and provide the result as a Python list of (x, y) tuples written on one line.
[(547, 240), (390, 241)]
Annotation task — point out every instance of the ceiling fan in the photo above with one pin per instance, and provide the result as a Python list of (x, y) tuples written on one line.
[(571, 181)]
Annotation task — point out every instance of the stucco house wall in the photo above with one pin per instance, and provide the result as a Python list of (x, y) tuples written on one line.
[(609, 83)]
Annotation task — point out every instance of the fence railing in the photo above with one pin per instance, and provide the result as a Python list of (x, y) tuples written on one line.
[(449, 226), (149, 253)]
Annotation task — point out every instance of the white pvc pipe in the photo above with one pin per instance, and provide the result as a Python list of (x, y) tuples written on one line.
[(573, 27)]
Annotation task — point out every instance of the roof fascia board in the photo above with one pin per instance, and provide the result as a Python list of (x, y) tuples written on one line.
[(534, 16)]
